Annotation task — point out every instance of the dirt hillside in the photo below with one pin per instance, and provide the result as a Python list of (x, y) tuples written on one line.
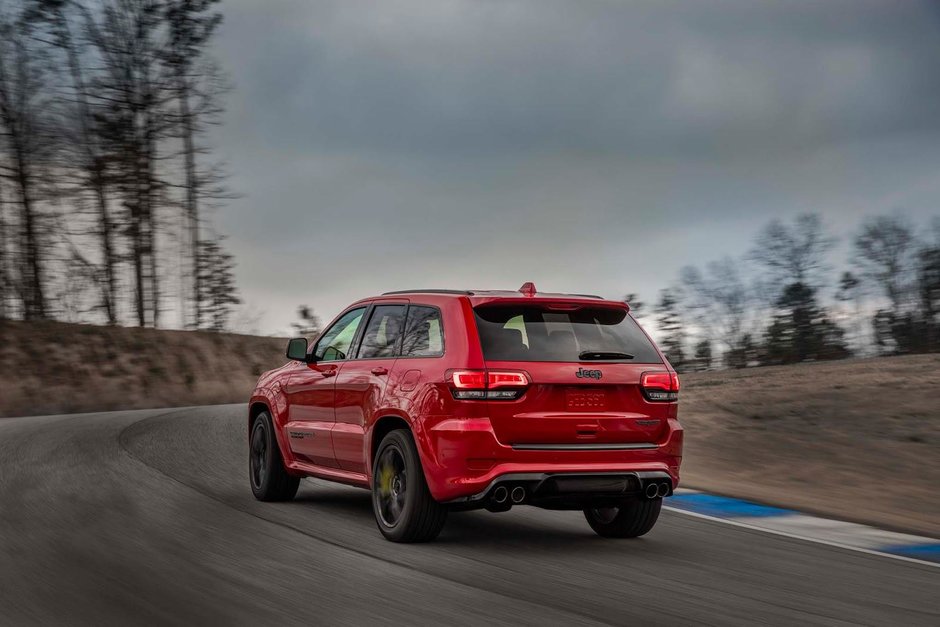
[(856, 439), (53, 367)]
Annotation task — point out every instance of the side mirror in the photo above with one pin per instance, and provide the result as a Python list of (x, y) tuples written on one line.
[(297, 349)]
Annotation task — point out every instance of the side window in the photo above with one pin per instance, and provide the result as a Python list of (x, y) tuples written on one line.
[(383, 332), (334, 345), (424, 335)]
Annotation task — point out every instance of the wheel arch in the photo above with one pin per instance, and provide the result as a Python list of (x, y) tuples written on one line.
[(382, 426), (256, 407), (265, 400), (391, 419)]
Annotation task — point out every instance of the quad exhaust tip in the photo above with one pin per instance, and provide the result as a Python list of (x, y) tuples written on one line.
[(518, 494), (500, 494), (657, 490)]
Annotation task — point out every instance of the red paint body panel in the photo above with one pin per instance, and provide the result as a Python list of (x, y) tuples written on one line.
[(325, 413)]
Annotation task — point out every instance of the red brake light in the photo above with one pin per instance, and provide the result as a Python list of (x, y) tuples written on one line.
[(506, 379), (469, 379), (660, 386), (481, 384)]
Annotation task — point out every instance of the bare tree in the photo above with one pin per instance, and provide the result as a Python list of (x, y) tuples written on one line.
[(794, 253), (127, 38), (717, 300), (28, 140), (196, 84), (90, 158), (94, 95), (885, 249)]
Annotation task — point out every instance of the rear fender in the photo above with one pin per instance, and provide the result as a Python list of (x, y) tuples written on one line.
[(430, 465), (368, 441)]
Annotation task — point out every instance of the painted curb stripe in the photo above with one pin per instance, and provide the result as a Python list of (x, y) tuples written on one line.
[(928, 552), (723, 506), (794, 524)]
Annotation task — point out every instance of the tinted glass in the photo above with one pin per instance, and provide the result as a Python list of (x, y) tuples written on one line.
[(334, 345), (535, 334), (383, 332), (424, 335)]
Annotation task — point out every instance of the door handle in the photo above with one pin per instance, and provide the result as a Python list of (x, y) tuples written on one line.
[(328, 373), (379, 370)]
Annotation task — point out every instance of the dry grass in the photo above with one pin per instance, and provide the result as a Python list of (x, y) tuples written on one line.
[(855, 439), (52, 367)]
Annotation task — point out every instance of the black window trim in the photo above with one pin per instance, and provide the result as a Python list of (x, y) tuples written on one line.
[(313, 351), (358, 339), (443, 336), (367, 318)]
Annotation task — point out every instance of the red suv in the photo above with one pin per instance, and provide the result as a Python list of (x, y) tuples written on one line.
[(441, 400)]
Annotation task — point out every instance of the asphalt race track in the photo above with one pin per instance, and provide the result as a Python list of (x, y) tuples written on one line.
[(146, 518)]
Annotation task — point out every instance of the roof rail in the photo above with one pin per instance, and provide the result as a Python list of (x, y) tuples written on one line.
[(471, 293), (461, 292)]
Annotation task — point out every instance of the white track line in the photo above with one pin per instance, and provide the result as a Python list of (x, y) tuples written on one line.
[(794, 536)]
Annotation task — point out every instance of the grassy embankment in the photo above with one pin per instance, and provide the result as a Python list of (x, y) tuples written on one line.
[(52, 367), (857, 439)]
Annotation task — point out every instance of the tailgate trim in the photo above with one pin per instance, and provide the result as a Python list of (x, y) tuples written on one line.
[(593, 446)]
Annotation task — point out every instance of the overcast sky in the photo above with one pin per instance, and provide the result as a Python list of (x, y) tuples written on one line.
[(586, 146)]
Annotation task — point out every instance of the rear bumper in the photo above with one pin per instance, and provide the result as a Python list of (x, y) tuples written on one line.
[(463, 460), (564, 490)]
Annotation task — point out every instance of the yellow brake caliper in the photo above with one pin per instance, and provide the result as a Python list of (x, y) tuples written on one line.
[(386, 475)]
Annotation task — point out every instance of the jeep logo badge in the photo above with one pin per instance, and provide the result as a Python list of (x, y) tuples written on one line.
[(588, 374)]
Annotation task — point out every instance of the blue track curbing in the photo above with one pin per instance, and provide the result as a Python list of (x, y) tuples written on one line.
[(814, 528)]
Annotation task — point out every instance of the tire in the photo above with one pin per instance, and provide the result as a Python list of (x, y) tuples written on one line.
[(266, 472), (631, 520), (403, 506)]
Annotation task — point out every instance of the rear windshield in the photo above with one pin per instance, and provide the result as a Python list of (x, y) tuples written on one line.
[(513, 333)]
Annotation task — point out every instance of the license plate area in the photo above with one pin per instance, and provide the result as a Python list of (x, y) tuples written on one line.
[(582, 399)]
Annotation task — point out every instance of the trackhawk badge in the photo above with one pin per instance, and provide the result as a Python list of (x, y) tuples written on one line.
[(588, 374)]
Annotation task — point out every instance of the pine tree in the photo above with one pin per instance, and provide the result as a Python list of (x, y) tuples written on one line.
[(670, 326), (217, 282), (703, 355), (801, 330)]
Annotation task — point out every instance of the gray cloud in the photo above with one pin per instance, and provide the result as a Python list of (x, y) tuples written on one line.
[(590, 146)]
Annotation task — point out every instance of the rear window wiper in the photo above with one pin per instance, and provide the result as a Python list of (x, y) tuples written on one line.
[(597, 355)]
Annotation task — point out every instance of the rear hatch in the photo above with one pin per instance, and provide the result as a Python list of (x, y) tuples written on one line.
[(584, 364)]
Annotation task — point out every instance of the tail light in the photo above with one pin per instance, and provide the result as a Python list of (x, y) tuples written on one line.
[(493, 385), (660, 386)]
